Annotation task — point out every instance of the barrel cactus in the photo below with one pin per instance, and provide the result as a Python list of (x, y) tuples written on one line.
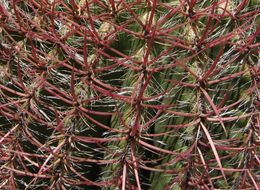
[(129, 94)]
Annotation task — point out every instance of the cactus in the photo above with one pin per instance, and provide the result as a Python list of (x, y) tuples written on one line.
[(114, 94)]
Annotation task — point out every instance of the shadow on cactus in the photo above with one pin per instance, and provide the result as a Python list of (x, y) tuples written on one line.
[(113, 94)]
